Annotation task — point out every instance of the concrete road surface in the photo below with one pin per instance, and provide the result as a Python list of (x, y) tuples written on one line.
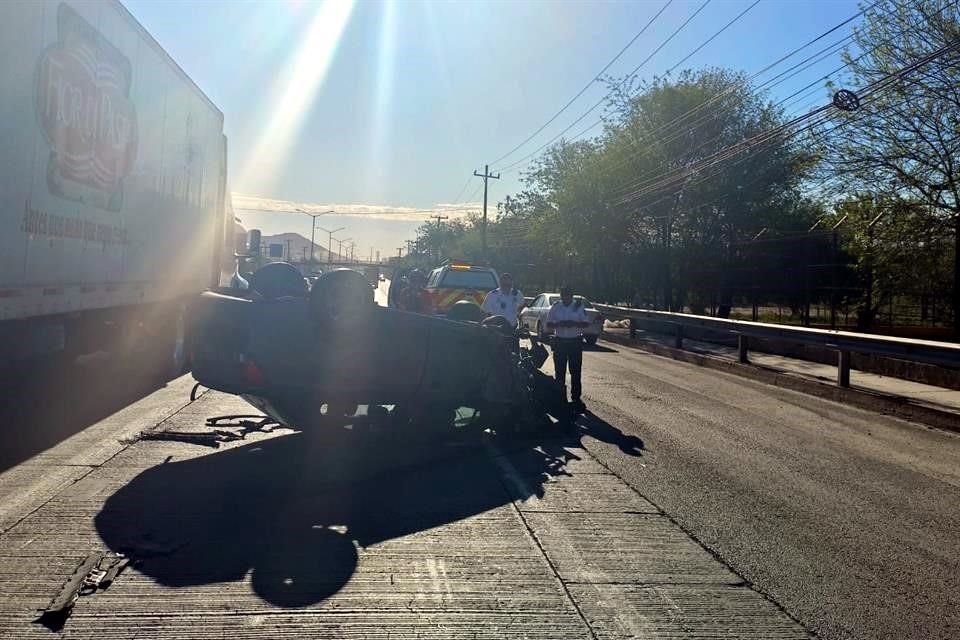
[(351, 534), (688, 504), (849, 520)]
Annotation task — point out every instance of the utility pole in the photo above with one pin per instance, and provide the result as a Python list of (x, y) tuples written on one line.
[(486, 175), (439, 220)]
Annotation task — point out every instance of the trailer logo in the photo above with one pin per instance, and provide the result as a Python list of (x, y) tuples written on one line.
[(84, 108)]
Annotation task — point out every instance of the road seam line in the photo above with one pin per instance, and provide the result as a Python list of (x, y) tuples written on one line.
[(508, 469), (746, 583)]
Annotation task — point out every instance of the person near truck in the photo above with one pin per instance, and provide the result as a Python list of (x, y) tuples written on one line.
[(567, 320), (505, 301), (411, 296)]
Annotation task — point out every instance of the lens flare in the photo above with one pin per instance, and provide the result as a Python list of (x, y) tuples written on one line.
[(379, 141), (292, 100)]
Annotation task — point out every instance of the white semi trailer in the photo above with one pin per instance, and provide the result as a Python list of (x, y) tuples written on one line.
[(112, 185)]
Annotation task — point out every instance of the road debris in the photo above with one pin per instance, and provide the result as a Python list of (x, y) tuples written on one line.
[(95, 572)]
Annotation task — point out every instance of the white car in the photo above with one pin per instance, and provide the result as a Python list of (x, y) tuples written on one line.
[(534, 317)]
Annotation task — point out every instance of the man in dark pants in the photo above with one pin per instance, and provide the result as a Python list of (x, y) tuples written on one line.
[(567, 319)]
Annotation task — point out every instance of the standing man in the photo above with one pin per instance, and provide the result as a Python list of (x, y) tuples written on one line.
[(411, 296), (567, 319), (505, 301)]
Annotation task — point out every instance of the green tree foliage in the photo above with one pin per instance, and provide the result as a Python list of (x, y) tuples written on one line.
[(903, 144), (621, 217)]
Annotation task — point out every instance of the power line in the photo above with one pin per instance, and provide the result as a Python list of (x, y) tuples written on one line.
[(589, 84), (780, 103), (618, 85), (652, 139), (679, 119), (711, 38), (462, 190), (661, 181), (796, 69)]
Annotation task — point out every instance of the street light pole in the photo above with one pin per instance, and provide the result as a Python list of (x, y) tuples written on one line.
[(313, 228), (330, 242), (340, 246)]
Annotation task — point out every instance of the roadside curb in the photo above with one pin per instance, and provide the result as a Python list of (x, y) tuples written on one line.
[(861, 398)]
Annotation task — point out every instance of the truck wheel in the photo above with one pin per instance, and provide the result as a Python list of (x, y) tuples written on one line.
[(341, 296)]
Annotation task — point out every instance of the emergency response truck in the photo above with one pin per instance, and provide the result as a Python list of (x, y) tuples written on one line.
[(458, 280)]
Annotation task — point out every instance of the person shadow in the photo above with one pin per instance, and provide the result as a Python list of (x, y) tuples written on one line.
[(293, 510)]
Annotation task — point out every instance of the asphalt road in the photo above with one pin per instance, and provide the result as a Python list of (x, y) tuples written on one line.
[(849, 520)]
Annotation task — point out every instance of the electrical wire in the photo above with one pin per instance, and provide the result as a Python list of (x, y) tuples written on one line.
[(666, 178), (620, 84), (679, 119), (588, 85)]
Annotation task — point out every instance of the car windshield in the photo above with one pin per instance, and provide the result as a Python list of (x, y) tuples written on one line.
[(469, 280), (551, 300)]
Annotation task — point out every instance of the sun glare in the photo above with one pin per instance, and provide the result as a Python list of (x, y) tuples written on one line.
[(291, 101), (379, 135)]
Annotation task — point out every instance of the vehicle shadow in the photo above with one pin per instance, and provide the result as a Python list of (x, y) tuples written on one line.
[(295, 508)]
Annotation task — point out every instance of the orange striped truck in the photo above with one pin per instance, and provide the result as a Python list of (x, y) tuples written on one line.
[(455, 281)]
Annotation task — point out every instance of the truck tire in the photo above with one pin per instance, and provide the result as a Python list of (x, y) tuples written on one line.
[(341, 296)]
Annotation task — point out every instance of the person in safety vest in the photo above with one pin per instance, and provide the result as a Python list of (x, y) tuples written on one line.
[(505, 301), (567, 319)]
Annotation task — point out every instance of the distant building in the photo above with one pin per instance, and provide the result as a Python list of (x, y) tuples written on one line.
[(292, 247)]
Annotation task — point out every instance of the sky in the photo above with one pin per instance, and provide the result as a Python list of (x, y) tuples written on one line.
[(387, 107)]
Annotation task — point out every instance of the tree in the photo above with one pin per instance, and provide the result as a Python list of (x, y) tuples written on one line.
[(903, 142)]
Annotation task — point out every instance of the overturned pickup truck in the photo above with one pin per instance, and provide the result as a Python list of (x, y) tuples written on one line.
[(310, 355)]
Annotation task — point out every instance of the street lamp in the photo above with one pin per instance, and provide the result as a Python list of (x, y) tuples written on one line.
[(340, 245), (330, 242), (313, 219)]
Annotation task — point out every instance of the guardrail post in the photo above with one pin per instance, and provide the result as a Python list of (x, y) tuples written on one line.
[(678, 336), (843, 368), (633, 328), (743, 343)]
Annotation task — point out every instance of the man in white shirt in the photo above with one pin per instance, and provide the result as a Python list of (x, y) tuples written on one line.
[(505, 301), (567, 319)]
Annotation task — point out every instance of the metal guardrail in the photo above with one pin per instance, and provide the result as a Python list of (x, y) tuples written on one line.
[(943, 354)]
